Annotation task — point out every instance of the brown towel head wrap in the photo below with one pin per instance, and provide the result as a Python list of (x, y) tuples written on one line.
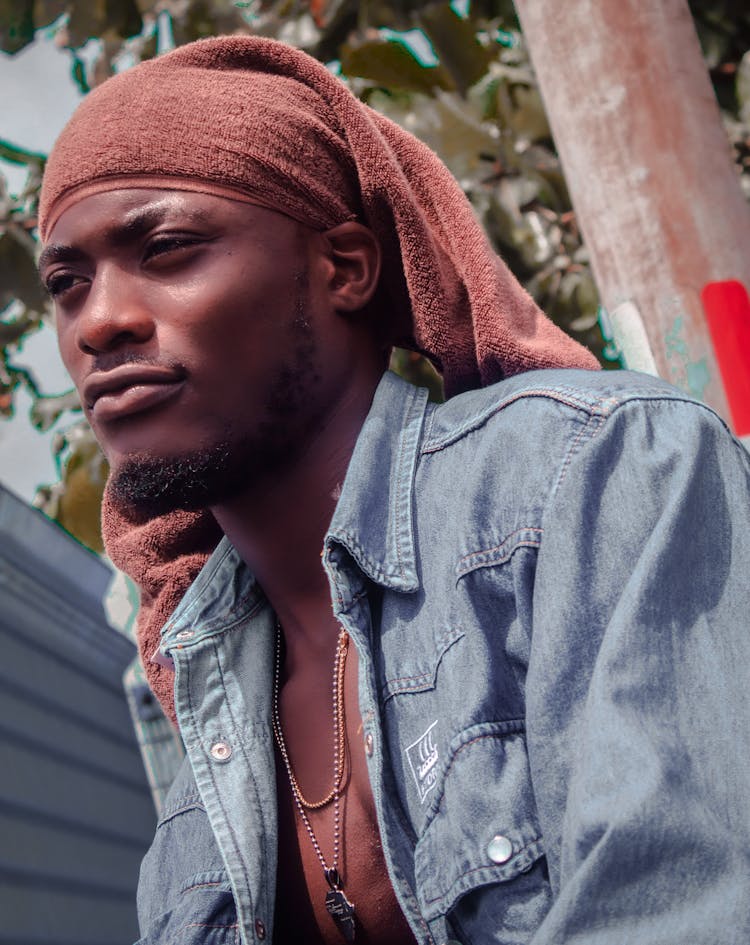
[(257, 120)]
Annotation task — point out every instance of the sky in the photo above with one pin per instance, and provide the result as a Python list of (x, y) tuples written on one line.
[(38, 96)]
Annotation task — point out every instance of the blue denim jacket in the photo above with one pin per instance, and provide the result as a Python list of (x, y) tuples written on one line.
[(547, 584)]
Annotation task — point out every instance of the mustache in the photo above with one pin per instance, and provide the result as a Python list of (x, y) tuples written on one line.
[(108, 361)]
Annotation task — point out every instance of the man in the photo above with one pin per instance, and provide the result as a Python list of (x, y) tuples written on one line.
[(471, 673)]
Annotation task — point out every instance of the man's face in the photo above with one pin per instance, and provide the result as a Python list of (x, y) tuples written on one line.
[(191, 326)]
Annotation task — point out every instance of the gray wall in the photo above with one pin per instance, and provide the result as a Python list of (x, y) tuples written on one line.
[(76, 813)]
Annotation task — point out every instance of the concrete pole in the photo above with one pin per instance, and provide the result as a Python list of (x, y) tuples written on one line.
[(656, 193)]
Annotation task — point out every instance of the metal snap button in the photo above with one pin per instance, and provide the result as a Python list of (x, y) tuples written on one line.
[(260, 929), (221, 751), (499, 849), (369, 743)]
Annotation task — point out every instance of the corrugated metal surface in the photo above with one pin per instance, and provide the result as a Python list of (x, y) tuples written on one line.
[(75, 808)]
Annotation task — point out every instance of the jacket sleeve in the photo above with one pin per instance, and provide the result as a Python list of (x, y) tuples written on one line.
[(638, 688)]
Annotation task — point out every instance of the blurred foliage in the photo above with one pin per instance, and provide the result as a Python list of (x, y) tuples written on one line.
[(456, 75)]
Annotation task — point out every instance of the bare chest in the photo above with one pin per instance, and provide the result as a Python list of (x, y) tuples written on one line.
[(301, 913)]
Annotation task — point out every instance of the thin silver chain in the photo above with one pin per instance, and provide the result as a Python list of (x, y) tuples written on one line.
[(338, 754)]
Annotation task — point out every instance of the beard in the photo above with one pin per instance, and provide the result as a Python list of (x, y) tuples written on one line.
[(155, 486), (196, 480)]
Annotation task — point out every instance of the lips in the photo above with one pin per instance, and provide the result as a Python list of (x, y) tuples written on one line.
[(130, 389)]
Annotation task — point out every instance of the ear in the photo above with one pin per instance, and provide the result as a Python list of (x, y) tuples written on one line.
[(354, 265)]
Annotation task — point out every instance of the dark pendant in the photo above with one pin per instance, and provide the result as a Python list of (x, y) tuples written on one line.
[(339, 907)]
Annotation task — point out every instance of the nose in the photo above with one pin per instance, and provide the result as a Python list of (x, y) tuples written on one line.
[(115, 313)]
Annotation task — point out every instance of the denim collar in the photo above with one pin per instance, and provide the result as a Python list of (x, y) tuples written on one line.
[(373, 520)]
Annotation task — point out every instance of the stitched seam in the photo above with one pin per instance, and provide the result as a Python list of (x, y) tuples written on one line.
[(411, 434), (480, 419), (209, 578), (218, 796), (574, 449), (190, 804), (513, 734), (477, 869), (444, 644), (206, 925), (208, 634), (428, 421), (472, 741), (356, 598), (399, 679), (486, 551), (398, 496), (351, 544), (187, 799), (250, 770), (527, 543), (674, 401), (604, 407)]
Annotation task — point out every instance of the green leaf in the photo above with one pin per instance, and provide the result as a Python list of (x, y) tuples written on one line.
[(18, 276), (529, 119), (17, 155), (455, 42), (743, 88), (11, 332), (84, 478), (90, 19), (78, 75), (46, 411), (47, 11), (419, 371), (392, 65), (196, 19), (16, 24)]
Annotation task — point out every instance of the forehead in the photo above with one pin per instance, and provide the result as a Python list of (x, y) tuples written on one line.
[(115, 219), (133, 208)]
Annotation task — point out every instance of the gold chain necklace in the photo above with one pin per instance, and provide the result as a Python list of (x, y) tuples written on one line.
[(338, 906)]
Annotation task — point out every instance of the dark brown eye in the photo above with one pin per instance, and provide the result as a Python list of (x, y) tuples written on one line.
[(60, 282), (162, 245)]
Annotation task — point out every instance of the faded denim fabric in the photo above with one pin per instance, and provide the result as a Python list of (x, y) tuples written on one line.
[(547, 585)]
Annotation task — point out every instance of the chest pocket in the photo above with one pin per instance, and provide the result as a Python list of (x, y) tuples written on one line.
[(203, 915), (480, 859), (184, 895)]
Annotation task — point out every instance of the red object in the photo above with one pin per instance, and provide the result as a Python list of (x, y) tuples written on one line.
[(727, 308)]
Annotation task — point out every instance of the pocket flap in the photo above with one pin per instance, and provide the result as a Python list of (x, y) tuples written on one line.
[(482, 825), (205, 914)]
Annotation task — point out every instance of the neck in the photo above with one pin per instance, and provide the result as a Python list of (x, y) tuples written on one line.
[(279, 525)]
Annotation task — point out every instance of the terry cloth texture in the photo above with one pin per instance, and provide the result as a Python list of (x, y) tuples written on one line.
[(262, 121)]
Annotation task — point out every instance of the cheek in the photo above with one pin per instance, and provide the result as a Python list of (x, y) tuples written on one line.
[(69, 350), (243, 328)]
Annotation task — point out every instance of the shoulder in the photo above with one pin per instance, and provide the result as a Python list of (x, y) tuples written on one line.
[(541, 402), (522, 438)]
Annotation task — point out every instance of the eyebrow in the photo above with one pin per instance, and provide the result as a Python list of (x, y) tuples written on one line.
[(133, 224), (57, 252)]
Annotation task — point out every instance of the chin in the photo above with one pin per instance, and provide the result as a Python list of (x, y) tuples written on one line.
[(189, 481), (205, 477)]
